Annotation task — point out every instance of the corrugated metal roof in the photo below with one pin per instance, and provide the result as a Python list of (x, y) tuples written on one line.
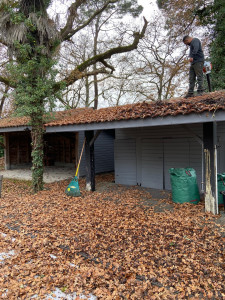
[(210, 102)]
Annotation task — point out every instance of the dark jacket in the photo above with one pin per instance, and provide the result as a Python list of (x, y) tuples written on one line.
[(196, 51)]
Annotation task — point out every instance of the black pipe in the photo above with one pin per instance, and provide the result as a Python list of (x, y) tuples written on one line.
[(209, 83)]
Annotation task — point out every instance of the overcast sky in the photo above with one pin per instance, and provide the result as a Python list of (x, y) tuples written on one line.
[(150, 7)]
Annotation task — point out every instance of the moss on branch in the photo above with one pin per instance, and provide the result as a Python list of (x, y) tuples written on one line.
[(78, 72), (7, 81)]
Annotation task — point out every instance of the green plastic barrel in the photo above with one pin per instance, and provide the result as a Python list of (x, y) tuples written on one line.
[(184, 185), (221, 186)]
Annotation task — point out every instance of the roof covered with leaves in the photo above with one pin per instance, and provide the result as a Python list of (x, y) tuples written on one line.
[(211, 102)]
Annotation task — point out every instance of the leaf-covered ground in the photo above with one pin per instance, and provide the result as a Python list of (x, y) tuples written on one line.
[(116, 243)]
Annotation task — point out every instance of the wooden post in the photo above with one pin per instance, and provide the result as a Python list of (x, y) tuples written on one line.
[(210, 151), (90, 161), (6, 151)]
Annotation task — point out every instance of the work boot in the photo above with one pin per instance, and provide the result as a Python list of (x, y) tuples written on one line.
[(189, 95)]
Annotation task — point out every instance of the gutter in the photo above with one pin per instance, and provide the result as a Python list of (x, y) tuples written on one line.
[(135, 123)]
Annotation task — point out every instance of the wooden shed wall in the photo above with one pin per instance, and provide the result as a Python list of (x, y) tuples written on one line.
[(60, 148), (19, 149), (104, 152)]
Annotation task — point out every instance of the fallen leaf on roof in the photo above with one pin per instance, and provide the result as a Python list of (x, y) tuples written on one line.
[(210, 102)]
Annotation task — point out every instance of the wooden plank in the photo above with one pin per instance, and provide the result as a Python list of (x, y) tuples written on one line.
[(210, 150)]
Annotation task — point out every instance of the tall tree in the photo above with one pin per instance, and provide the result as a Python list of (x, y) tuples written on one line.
[(107, 30), (183, 16), (4, 87), (34, 39), (160, 63), (155, 71), (217, 47), (117, 11)]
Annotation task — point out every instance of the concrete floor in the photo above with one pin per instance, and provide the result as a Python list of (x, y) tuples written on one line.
[(51, 174)]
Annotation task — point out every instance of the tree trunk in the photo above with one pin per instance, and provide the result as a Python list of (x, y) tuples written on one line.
[(95, 89), (2, 101), (87, 87), (37, 152), (95, 66)]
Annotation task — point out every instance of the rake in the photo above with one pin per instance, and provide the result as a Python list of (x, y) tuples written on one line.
[(73, 188)]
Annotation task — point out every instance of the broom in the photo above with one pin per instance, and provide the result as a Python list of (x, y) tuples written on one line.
[(73, 188)]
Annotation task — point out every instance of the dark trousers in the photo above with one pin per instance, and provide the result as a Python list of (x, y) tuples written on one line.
[(196, 71)]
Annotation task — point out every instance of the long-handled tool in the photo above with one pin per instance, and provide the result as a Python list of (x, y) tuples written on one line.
[(207, 70), (73, 188)]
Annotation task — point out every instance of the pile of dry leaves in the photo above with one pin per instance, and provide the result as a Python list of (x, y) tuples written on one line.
[(108, 243)]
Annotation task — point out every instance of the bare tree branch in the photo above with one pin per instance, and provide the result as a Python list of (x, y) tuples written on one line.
[(72, 14), (3, 42), (67, 32), (96, 72), (6, 81), (3, 99), (77, 73), (107, 65)]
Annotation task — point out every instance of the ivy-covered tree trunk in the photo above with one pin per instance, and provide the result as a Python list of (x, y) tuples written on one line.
[(37, 152)]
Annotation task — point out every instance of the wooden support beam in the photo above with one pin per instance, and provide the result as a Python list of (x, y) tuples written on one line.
[(90, 161), (195, 136), (95, 137), (210, 151)]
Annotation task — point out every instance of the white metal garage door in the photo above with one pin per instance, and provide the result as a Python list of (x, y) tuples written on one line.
[(154, 158), (176, 154), (152, 163), (125, 162)]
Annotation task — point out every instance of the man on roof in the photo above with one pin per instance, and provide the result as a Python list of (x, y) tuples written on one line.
[(196, 58)]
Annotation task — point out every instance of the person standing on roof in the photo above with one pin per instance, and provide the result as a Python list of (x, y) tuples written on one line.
[(196, 58)]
